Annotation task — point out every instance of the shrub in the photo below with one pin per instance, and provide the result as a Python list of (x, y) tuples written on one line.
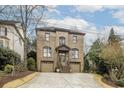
[(106, 76), (8, 56), (31, 64), (120, 82), (102, 67), (32, 54), (86, 65), (20, 67), (8, 68)]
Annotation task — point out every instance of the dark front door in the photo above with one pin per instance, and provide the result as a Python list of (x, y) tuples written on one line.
[(63, 59)]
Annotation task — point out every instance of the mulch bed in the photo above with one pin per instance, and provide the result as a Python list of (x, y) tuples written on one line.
[(109, 82), (9, 77)]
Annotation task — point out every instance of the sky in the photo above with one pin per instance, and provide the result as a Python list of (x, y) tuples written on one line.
[(95, 21)]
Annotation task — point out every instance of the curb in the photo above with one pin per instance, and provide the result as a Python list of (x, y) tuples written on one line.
[(98, 79), (19, 82)]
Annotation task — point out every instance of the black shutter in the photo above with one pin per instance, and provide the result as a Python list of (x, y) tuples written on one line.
[(5, 31)]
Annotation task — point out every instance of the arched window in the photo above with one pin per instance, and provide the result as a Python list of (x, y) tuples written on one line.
[(74, 53), (47, 51), (61, 40)]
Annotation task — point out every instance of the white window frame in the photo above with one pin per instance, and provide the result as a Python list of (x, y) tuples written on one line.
[(62, 40), (75, 53), (47, 52), (3, 31), (47, 36), (74, 39)]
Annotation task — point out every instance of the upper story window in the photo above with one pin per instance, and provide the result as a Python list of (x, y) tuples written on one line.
[(74, 39), (1, 43), (47, 52), (3, 31), (61, 40), (47, 36), (74, 53)]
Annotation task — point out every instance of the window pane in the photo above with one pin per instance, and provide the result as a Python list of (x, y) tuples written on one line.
[(1, 43), (47, 52), (2, 31), (62, 40), (47, 36), (74, 53), (74, 39)]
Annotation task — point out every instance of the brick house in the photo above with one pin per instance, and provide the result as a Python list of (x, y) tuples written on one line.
[(59, 48)]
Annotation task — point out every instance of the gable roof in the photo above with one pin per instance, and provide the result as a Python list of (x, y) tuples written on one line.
[(54, 29), (12, 23)]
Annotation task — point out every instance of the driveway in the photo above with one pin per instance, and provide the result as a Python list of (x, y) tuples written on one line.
[(62, 80)]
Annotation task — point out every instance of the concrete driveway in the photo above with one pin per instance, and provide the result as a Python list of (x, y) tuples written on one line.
[(62, 80)]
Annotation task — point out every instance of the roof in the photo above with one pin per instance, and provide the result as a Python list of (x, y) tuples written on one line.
[(12, 23), (4, 37), (9, 22), (54, 29)]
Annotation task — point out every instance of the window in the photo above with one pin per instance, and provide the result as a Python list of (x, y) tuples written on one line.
[(7, 44), (1, 43), (61, 40), (74, 53), (74, 39), (47, 52), (47, 36), (3, 31)]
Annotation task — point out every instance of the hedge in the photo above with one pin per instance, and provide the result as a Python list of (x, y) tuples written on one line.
[(8, 56)]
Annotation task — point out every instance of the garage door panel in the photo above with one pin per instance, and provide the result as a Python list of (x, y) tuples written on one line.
[(47, 66), (75, 67)]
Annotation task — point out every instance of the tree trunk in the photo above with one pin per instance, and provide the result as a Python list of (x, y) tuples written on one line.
[(25, 35), (25, 52)]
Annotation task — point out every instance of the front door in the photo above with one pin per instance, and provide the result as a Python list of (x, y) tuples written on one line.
[(63, 59)]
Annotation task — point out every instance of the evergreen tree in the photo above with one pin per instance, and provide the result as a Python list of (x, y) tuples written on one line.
[(112, 37)]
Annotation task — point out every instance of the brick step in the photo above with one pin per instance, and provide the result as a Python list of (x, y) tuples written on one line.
[(65, 69)]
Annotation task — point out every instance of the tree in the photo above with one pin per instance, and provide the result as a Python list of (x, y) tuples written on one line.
[(113, 55), (112, 37), (30, 17), (94, 52), (97, 62)]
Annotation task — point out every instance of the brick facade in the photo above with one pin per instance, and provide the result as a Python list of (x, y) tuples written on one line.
[(50, 64)]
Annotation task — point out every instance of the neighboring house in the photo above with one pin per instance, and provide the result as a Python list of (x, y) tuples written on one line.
[(11, 36), (59, 48)]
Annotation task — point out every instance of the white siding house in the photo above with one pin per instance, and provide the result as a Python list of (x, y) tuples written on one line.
[(11, 36)]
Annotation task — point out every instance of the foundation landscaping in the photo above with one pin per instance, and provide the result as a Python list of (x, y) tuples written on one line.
[(12, 68)]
